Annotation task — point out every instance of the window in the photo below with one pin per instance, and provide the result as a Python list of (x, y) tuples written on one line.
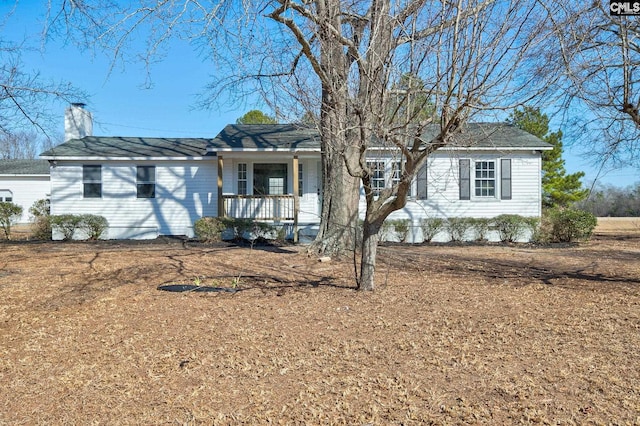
[(485, 179), (269, 179), (396, 174), (376, 168), (6, 196), (300, 180), (146, 181), (92, 181), (242, 178)]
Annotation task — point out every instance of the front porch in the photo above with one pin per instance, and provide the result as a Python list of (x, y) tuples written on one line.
[(281, 206)]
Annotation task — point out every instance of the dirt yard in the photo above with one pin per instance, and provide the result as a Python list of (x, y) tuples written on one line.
[(455, 334)]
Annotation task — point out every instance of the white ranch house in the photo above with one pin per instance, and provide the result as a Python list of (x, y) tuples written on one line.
[(23, 182), (147, 187)]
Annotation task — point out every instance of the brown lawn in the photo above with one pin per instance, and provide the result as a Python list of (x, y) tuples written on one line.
[(455, 334)]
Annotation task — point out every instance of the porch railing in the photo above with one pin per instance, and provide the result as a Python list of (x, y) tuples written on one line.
[(260, 207)]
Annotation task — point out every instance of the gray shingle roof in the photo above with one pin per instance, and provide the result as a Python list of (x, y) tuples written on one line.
[(266, 137), (277, 137), (291, 137), (116, 146), (493, 135), (24, 167)]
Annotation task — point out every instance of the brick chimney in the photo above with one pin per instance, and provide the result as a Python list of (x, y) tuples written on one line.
[(78, 122)]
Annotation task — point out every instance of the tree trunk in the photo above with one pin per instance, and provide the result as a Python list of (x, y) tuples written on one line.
[(339, 218), (370, 238)]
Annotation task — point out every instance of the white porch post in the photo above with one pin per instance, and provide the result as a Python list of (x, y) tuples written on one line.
[(220, 200), (296, 198)]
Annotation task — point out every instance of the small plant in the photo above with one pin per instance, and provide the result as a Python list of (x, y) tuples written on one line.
[(93, 225), (511, 227), (480, 228), (197, 281), (9, 214), (385, 230), (430, 227), (458, 227), (66, 224), (40, 220), (235, 282), (401, 229)]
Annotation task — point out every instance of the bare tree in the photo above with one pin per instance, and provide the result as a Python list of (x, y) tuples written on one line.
[(26, 96), (348, 58), (23, 145), (600, 58)]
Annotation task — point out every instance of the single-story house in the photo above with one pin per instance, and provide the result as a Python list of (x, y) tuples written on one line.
[(147, 187), (23, 182)]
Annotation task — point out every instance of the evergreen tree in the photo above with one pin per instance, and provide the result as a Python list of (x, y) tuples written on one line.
[(559, 189), (256, 116)]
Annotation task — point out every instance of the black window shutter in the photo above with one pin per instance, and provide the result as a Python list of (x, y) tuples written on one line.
[(422, 182), (505, 179), (465, 181)]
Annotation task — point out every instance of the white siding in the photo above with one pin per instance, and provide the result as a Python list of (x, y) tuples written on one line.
[(25, 191), (185, 191), (443, 190)]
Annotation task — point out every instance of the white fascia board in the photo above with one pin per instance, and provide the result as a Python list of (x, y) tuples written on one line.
[(24, 175), (53, 158), (240, 150), (471, 148)]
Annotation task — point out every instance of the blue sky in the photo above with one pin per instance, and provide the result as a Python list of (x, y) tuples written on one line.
[(122, 106)]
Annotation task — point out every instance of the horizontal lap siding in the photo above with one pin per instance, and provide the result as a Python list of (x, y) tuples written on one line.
[(185, 191), (443, 190), (26, 190)]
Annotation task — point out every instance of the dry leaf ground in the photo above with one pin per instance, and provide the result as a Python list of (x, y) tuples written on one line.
[(455, 334)]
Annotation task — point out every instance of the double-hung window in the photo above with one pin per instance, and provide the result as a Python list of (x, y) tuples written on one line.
[(485, 179), (376, 169), (146, 181), (92, 181)]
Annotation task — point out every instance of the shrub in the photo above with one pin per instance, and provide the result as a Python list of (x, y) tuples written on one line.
[(249, 229), (40, 220), (9, 214), (386, 230), (209, 228), (401, 229), (40, 208), (566, 225), (431, 226), (66, 224), (93, 225), (480, 228), (457, 227), (511, 227), (239, 227)]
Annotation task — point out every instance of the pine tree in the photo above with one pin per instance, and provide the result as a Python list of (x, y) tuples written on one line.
[(256, 116), (559, 189)]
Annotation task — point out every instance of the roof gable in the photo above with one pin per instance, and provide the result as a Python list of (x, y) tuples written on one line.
[(265, 137)]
